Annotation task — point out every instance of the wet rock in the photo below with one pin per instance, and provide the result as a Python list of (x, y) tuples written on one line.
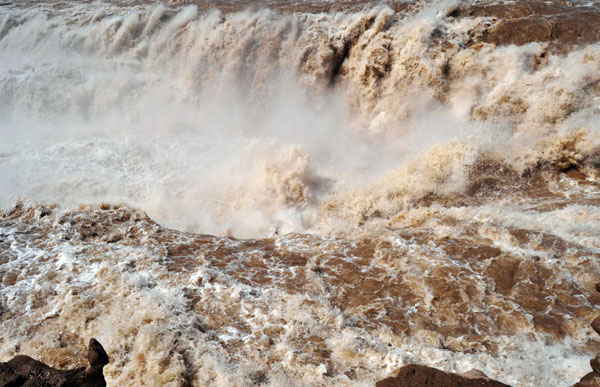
[(595, 364), (596, 324), (590, 380), (475, 374), (416, 375), (26, 371)]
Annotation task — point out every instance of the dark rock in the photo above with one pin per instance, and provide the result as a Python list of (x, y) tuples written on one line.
[(595, 364), (9, 378), (596, 325), (97, 357), (416, 375), (25, 371), (590, 380)]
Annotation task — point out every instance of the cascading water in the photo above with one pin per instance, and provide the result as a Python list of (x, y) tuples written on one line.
[(413, 191)]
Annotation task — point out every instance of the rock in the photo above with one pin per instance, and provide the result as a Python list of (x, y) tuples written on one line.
[(416, 375), (596, 325), (592, 379), (9, 378), (26, 371), (589, 380), (474, 374), (97, 357), (595, 364)]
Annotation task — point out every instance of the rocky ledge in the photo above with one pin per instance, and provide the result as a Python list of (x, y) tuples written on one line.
[(25, 371)]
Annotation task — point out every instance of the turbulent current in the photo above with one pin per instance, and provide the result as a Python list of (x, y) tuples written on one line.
[(301, 193)]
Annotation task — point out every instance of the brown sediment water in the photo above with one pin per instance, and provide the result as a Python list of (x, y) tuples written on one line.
[(312, 193), (333, 309)]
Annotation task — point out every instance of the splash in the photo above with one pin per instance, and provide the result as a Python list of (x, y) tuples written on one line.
[(153, 105), (415, 189)]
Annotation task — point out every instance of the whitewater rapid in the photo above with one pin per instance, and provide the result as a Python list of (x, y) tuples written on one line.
[(253, 121), (407, 190)]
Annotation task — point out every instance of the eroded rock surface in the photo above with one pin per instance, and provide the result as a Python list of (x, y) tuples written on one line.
[(26, 371)]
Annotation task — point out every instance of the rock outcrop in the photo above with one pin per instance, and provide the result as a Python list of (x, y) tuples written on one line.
[(417, 375), (592, 379), (25, 371)]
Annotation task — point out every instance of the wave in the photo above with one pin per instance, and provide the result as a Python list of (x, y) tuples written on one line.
[(260, 121), (416, 183)]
